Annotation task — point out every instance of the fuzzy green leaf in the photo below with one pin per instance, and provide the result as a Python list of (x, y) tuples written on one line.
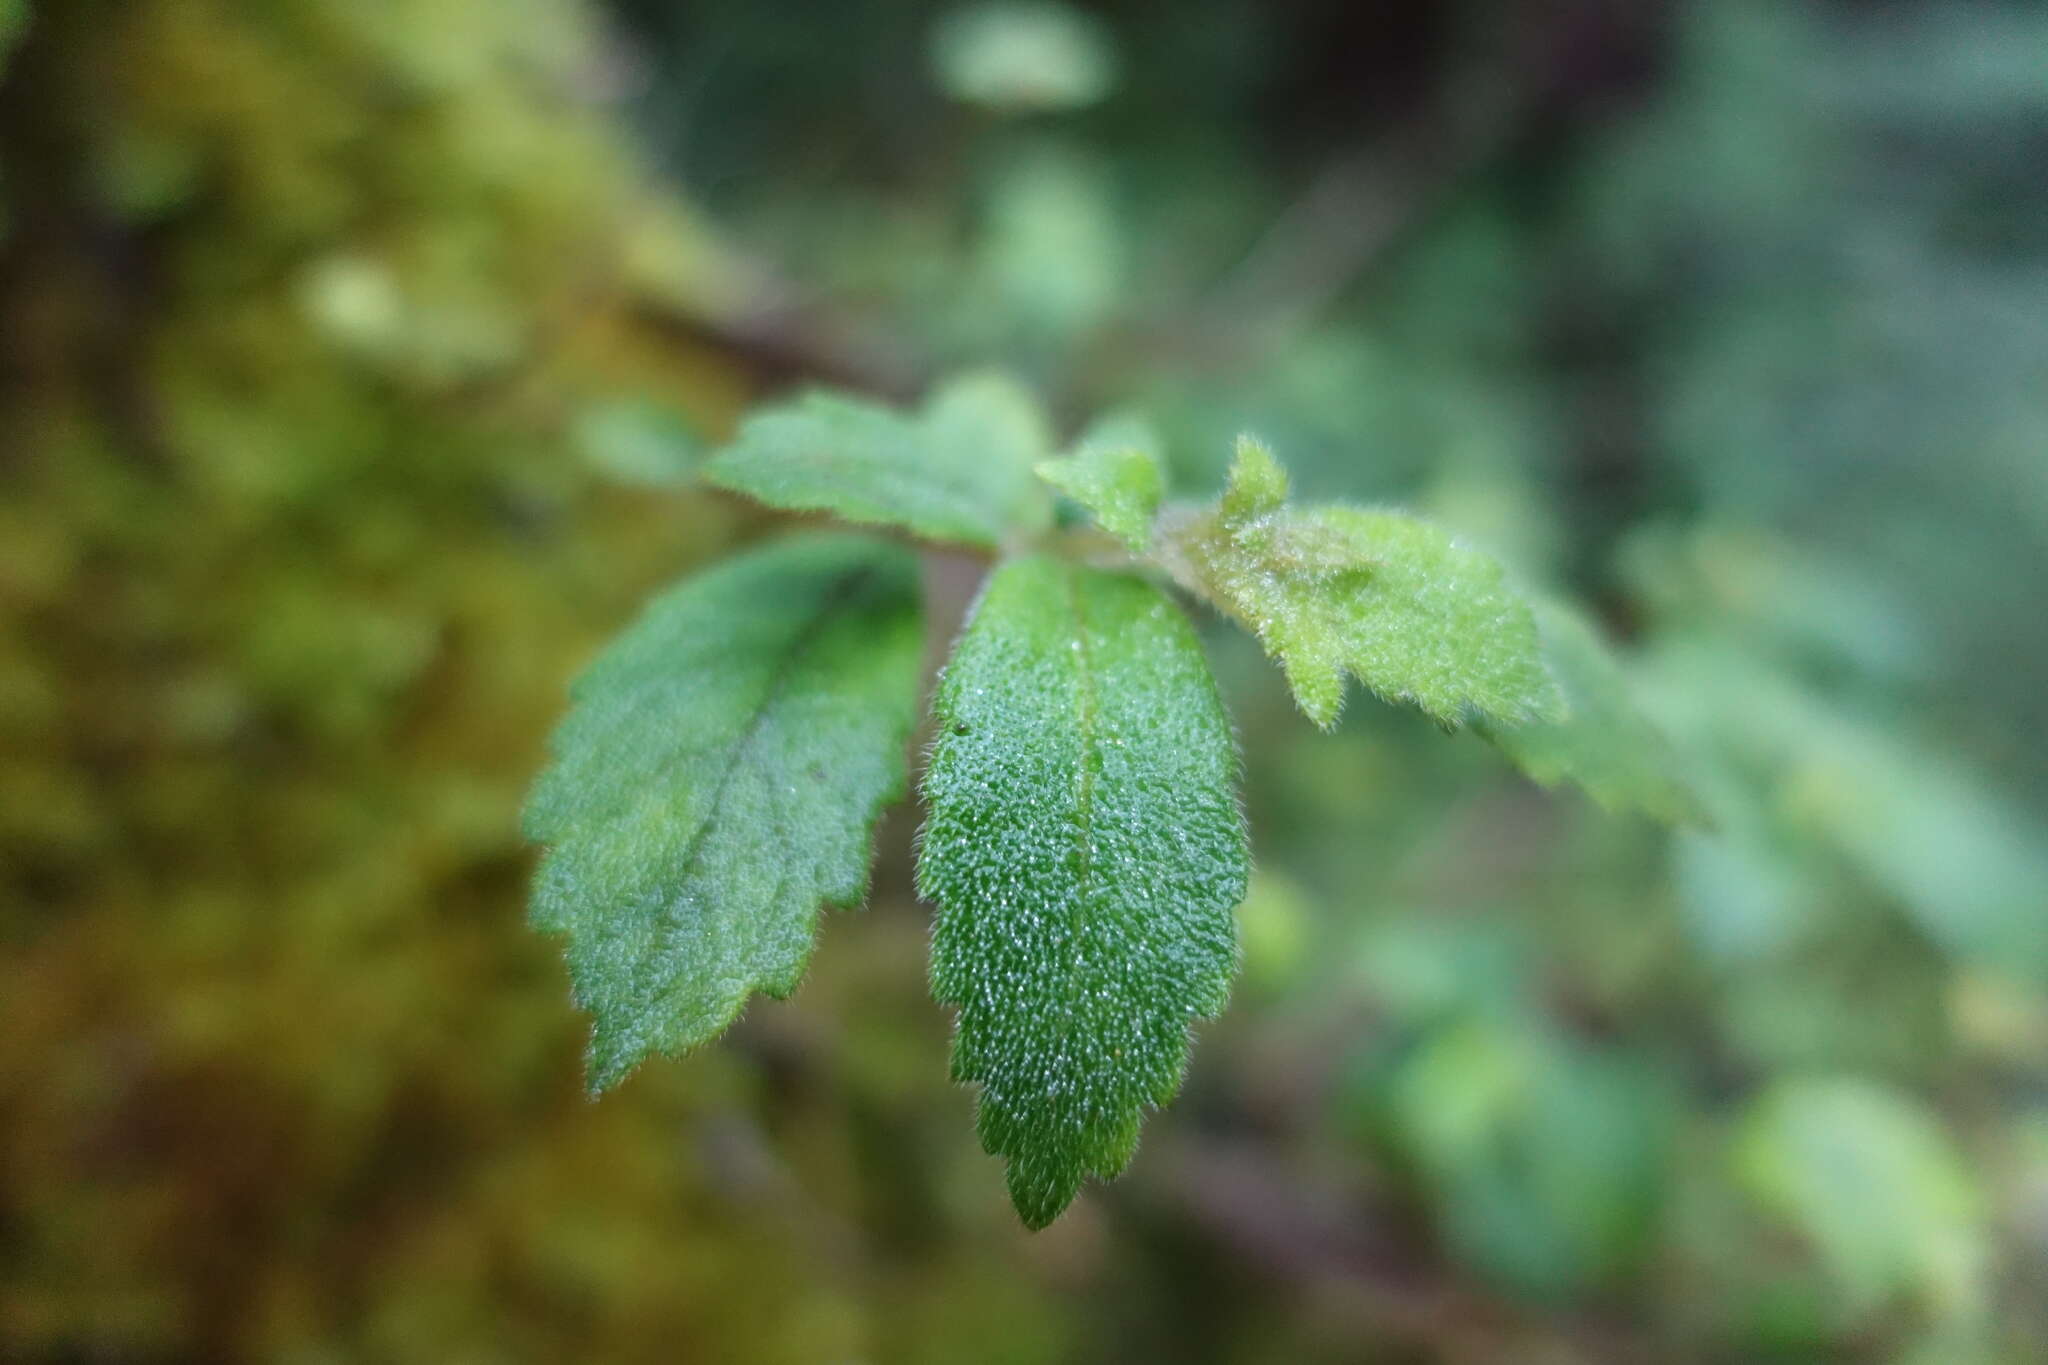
[(1604, 744), (1085, 850), (1117, 476), (717, 779), (1258, 483), (1391, 600), (959, 470)]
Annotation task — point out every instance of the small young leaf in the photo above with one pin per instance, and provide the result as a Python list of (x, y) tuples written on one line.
[(719, 777), (1258, 484), (1117, 476), (958, 471), (1604, 743), (1085, 850), (1389, 599)]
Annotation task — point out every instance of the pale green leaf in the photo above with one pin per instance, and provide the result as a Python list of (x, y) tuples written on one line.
[(1604, 743), (959, 470), (717, 779), (638, 442), (1118, 478), (1963, 860), (1541, 1156), (1867, 1176), (1023, 55), (1085, 849), (1384, 597), (1125, 428), (1258, 483), (1052, 256)]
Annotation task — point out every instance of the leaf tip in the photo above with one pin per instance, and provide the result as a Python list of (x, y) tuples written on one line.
[(608, 1060), (1258, 482)]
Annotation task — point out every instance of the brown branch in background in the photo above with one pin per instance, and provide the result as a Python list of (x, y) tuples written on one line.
[(1350, 213), (1325, 1240), (785, 342)]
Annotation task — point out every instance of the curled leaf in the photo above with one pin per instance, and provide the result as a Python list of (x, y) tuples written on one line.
[(1332, 590)]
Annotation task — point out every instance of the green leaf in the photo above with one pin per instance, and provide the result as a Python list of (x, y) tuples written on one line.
[(717, 778), (1117, 476), (960, 470), (1018, 56), (638, 442), (1541, 1157), (1866, 1174), (1085, 849), (1123, 427), (1258, 483), (1604, 743), (1391, 600), (1793, 769)]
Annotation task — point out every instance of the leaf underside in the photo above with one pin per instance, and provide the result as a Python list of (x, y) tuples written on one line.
[(717, 779), (958, 471), (1085, 850), (1604, 744), (1395, 602)]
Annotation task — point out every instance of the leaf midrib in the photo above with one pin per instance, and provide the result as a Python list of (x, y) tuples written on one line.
[(851, 582), (1088, 705), (847, 585)]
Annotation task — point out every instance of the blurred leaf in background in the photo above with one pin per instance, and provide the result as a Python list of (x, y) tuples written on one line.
[(1816, 1152), (1023, 55)]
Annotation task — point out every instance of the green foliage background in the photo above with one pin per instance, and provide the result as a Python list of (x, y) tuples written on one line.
[(355, 360)]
